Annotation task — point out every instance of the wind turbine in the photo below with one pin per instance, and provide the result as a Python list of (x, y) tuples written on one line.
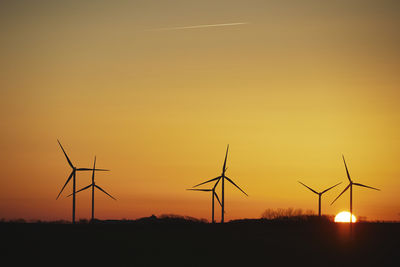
[(351, 183), (223, 177), (93, 186), (214, 194), (73, 177), (320, 195)]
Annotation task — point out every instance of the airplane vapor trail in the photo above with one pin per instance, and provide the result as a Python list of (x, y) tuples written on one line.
[(200, 26)]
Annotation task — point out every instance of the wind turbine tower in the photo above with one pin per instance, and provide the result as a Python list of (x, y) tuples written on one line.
[(223, 177), (319, 195), (350, 185), (93, 185), (73, 177)]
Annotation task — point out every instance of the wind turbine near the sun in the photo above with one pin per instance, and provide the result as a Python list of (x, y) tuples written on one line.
[(93, 185), (319, 195), (350, 185), (73, 177), (222, 177)]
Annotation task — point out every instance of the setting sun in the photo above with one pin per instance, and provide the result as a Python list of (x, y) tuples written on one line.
[(344, 216)]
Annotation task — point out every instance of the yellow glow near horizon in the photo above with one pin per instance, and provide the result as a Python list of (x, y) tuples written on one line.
[(344, 217)]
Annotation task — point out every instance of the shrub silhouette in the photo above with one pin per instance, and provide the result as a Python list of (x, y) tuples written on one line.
[(280, 213), (180, 218), (295, 215)]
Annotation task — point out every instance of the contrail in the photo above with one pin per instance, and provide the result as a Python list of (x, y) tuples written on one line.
[(200, 26)]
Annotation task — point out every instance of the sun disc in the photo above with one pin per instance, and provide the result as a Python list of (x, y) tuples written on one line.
[(344, 217)]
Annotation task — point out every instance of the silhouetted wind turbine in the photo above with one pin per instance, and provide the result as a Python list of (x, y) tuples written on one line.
[(351, 183), (213, 194), (223, 177), (319, 195), (73, 177), (93, 186)]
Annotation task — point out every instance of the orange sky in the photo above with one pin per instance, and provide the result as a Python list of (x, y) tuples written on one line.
[(290, 91)]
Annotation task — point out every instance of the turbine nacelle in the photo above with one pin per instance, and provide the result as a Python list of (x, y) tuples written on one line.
[(322, 192), (351, 183), (207, 190), (217, 180), (93, 184), (74, 169), (319, 194)]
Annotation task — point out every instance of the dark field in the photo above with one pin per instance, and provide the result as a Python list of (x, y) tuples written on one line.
[(180, 243)]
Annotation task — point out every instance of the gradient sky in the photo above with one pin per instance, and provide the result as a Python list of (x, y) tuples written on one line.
[(300, 84)]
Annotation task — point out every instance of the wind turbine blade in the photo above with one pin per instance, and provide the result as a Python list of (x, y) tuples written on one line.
[(347, 171), (94, 168), (367, 186), (86, 187), (347, 187), (215, 185), (208, 181), (226, 156), (197, 189), (69, 161), (236, 185), (330, 188), (98, 187), (309, 188), (90, 169), (216, 196), (69, 178)]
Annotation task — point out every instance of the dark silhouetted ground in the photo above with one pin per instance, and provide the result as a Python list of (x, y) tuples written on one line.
[(182, 242)]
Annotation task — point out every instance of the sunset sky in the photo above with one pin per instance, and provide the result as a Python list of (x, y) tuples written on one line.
[(291, 88)]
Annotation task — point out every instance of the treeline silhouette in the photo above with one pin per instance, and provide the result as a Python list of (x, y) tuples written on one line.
[(269, 215), (280, 213), (163, 218)]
